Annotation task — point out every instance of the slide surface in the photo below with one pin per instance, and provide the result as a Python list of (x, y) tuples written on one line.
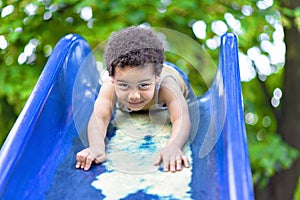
[(37, 160)]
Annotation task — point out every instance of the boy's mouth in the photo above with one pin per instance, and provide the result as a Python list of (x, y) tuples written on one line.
[(135, 103)]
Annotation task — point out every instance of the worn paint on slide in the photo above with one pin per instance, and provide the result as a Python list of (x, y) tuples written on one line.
[(130, 156)]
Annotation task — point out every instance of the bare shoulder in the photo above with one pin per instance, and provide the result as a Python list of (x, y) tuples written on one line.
[(169, 90), (107, 93), (107, 86), (171, 94), (104, 104)]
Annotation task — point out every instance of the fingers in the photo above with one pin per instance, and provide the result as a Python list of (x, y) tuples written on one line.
[(80, 158), (167, 164), (88, 162), (172, 164), (178, 164), (85, 159), (157, 160), (164, 159), (185, 161)]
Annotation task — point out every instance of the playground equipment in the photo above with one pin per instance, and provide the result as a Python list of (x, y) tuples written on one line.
[(37, 160)]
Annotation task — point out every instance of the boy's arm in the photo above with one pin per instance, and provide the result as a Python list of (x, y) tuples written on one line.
[(100, 119), (172, 156), (97, 128)]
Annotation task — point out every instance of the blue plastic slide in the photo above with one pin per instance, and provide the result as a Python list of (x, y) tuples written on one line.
[(37, 160)]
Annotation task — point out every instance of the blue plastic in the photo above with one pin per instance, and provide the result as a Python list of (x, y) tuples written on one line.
[(38, 157)]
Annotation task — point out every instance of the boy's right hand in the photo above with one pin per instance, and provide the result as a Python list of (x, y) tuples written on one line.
[(86, 157)]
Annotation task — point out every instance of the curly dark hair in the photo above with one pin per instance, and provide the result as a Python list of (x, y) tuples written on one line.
[(134, 46)]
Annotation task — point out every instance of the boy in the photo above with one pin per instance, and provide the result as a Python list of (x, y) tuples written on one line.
[(138, 80)]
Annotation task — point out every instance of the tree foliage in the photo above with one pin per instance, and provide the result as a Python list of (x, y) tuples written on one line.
[(32, 28)]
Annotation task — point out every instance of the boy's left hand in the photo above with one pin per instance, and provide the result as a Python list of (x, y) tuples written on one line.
[(172, 159)]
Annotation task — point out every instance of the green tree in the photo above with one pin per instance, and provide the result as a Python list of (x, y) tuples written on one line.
[(29, 31), (282, 185)]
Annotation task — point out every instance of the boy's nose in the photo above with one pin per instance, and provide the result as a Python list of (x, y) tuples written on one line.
[(134, 95)]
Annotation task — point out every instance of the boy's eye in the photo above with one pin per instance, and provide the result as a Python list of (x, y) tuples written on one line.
[(144, 86), (123, 85)]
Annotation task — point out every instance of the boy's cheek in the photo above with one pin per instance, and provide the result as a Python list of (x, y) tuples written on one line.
[(122, 96)]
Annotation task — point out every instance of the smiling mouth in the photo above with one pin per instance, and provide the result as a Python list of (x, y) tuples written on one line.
[(135, 103)]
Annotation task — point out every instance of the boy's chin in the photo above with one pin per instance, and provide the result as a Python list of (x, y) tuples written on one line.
[(136, 107)]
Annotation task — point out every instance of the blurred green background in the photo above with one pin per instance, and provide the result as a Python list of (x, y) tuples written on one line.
[(268, 33)]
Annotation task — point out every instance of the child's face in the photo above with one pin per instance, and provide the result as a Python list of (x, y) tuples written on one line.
[(134, 86)]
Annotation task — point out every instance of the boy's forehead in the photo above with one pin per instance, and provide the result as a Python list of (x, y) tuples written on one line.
[(130, 73)]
